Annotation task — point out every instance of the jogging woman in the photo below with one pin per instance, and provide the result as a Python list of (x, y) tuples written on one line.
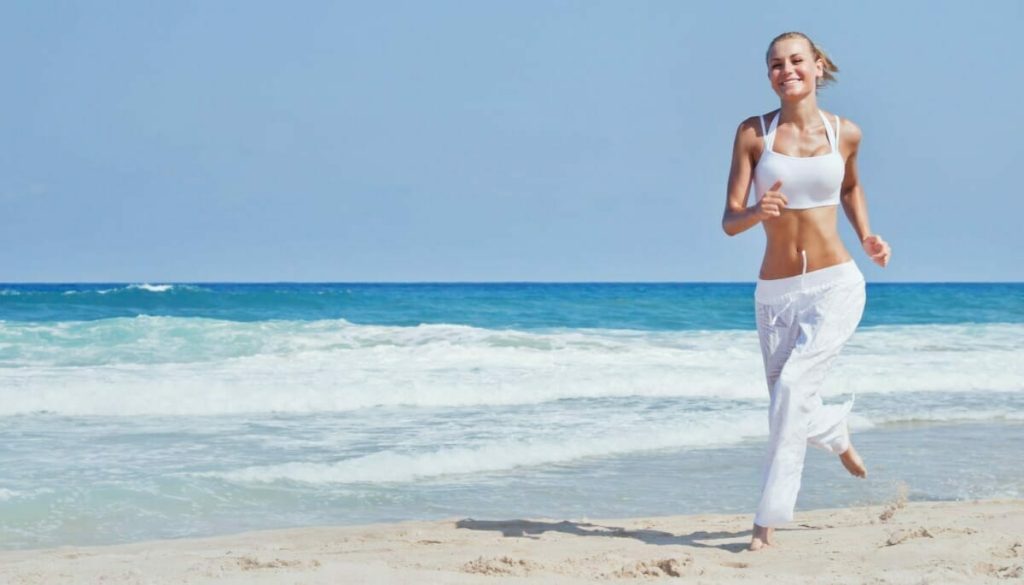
[(809, 298)]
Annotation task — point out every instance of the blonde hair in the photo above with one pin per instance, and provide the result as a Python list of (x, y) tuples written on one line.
[(830, 67)]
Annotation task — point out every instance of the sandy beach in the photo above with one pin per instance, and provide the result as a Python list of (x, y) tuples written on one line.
[(900, 543)]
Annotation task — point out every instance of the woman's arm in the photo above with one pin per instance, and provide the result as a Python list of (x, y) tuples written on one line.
[(855, 203), (738, 217)]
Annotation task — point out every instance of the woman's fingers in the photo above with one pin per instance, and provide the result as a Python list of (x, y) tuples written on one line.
[(774, 192), (886, 254), (770, 206), (772, 202), (878, 250)]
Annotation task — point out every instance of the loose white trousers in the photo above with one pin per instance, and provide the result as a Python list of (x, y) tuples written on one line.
[(803, 322)]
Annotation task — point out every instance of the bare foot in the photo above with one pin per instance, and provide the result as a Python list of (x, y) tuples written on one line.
[(762, 537), (853, 463)]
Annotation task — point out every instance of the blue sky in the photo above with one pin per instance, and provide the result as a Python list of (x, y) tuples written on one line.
[(481, 141)]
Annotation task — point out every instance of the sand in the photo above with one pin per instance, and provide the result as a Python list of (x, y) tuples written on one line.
[(916, 543)]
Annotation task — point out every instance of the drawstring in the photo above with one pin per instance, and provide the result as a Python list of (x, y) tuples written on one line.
[(803, 272)]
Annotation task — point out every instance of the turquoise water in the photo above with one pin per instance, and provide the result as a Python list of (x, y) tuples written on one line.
[(138, 411), (667, 306)]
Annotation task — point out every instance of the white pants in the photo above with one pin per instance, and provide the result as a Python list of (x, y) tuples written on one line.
[(802, 321)]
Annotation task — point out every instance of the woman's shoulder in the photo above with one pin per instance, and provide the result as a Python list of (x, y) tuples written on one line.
[(757, 120), (754, 127), (750, 136), (848, 130)]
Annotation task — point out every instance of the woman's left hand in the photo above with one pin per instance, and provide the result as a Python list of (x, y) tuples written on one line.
[(878, 249)]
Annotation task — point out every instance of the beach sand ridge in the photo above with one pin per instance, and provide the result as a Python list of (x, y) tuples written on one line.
[(899, 543)]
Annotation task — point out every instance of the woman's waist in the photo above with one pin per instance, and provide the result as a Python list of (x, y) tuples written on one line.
[(794, 259), (791, 242), (837, 274)]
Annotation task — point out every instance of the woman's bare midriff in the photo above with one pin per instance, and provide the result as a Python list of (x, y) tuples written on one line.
[(812, 230)]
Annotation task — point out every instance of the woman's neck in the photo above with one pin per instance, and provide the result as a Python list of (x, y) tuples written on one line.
[(801, 113)]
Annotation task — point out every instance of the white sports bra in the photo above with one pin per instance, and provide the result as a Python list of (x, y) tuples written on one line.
[(808, 181)]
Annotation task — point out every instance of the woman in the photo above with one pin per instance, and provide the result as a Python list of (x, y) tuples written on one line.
[(810, 294)]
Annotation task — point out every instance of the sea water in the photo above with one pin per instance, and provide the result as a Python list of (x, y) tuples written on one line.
[(142, 411)]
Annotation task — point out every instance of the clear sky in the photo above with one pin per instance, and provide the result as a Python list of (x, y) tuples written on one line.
[(481, 141)]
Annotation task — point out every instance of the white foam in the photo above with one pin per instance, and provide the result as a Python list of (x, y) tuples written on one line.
[(107, 291), (502, 455), (158, 288), (180, 366), (102, 291), (950, 415), (9, 494)]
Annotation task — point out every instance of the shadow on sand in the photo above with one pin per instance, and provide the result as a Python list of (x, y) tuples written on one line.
[(533, 529)]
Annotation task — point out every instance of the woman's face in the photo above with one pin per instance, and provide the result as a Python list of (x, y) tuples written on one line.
[(792, 68)]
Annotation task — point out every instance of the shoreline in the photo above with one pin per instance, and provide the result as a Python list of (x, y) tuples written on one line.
[(899, 542)]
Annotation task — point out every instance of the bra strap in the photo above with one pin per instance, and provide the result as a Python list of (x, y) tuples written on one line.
[(828, 132), (769, 137)]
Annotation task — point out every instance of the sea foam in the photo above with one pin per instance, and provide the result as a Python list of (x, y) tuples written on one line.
[(190, 366), (507, 454)]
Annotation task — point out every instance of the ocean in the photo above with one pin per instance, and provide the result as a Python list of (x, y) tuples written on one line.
[(131, 412)]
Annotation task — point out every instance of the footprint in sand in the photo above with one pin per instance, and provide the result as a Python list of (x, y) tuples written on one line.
[(660, 568), (1000, 572), (901, 536), (247, 563), (1014, 551), (500, 566)]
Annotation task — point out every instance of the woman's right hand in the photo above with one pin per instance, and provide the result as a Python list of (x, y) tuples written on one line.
[(771, 205)]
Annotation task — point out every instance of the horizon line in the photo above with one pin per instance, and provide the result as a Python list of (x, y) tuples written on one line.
[(350, 282)]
